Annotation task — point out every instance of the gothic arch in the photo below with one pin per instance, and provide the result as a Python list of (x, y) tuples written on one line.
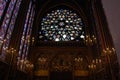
[(74, 6)]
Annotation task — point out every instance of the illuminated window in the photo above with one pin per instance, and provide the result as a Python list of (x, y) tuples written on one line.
[(61, 25), (3, 4), (12, 22), (8, 23), (26, 35)]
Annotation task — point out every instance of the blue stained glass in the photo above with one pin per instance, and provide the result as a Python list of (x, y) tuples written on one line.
[(12, 22), (24, 35), (6, 20), (2, 7), (9, 18), (30, 29)]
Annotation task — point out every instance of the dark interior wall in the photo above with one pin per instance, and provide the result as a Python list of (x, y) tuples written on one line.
[(112, 12)]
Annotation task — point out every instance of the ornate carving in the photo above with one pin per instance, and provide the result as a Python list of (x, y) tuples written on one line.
[(61, 63), (42, 63)]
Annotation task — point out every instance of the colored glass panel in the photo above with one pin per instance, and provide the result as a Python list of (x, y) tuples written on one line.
[(61, 25), (23, 41), (2, 7), (12, 22), (8, 23), (6, 20)]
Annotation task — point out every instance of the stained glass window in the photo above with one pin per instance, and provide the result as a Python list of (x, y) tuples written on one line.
[(8, 23), (2, 7), (25, 39), (29, 31), (24, 30), (12, 22), (26, 36), (61, 25)]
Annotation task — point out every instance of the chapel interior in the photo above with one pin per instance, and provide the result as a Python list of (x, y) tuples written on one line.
[(56, 40)]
